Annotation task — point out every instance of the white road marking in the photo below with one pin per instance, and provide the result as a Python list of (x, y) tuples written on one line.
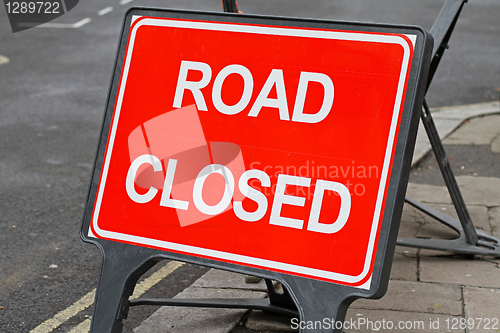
[(76, 25), (64, 6), (84, 302), (105, 11)]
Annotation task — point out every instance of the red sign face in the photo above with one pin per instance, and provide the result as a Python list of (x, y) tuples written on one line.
[(264, 146)]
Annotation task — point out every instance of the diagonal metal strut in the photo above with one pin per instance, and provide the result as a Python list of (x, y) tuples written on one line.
[(471, 240)]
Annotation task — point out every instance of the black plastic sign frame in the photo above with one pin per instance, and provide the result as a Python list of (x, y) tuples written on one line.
[(316, 297)]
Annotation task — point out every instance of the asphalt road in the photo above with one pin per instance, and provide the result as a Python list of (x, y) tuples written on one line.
[(52, 98)]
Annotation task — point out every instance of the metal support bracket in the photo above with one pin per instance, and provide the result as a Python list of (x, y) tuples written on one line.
[(263, 304), (230, 6), (283, 300), (486, 244), (277, 303), (471, 240)]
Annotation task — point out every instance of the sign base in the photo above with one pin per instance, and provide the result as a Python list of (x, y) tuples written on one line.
[(124, 264)]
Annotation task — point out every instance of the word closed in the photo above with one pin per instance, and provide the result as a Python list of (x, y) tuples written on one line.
[(280, 196)]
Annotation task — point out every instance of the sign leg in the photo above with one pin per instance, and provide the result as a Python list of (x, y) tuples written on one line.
[(121, 267), (321, 308)]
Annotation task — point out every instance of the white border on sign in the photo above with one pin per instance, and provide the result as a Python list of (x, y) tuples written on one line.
[(275, 31)]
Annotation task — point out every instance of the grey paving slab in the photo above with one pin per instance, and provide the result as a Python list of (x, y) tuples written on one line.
[(475, 190), (422, 145), (432, 228), (363, 320), (494, 215), (482, 309), (405, 264), (481, 272), (446, 126), (410, 222), (478, 214), (417, 297), (447, 119), (480, 190), (260, 321), (495, 145), (466, 111), (216, 278), (476, 131), (425, 226), (428, 193), (408, 251), (197, 320), (434, 253), (404, 301)]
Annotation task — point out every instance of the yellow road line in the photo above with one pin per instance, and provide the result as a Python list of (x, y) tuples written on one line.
[(3, 59), (54, 322), (83, 327), (84, 302), (149, 282)]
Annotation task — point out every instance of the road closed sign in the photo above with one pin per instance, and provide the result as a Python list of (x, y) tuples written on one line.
[(261, 145)]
